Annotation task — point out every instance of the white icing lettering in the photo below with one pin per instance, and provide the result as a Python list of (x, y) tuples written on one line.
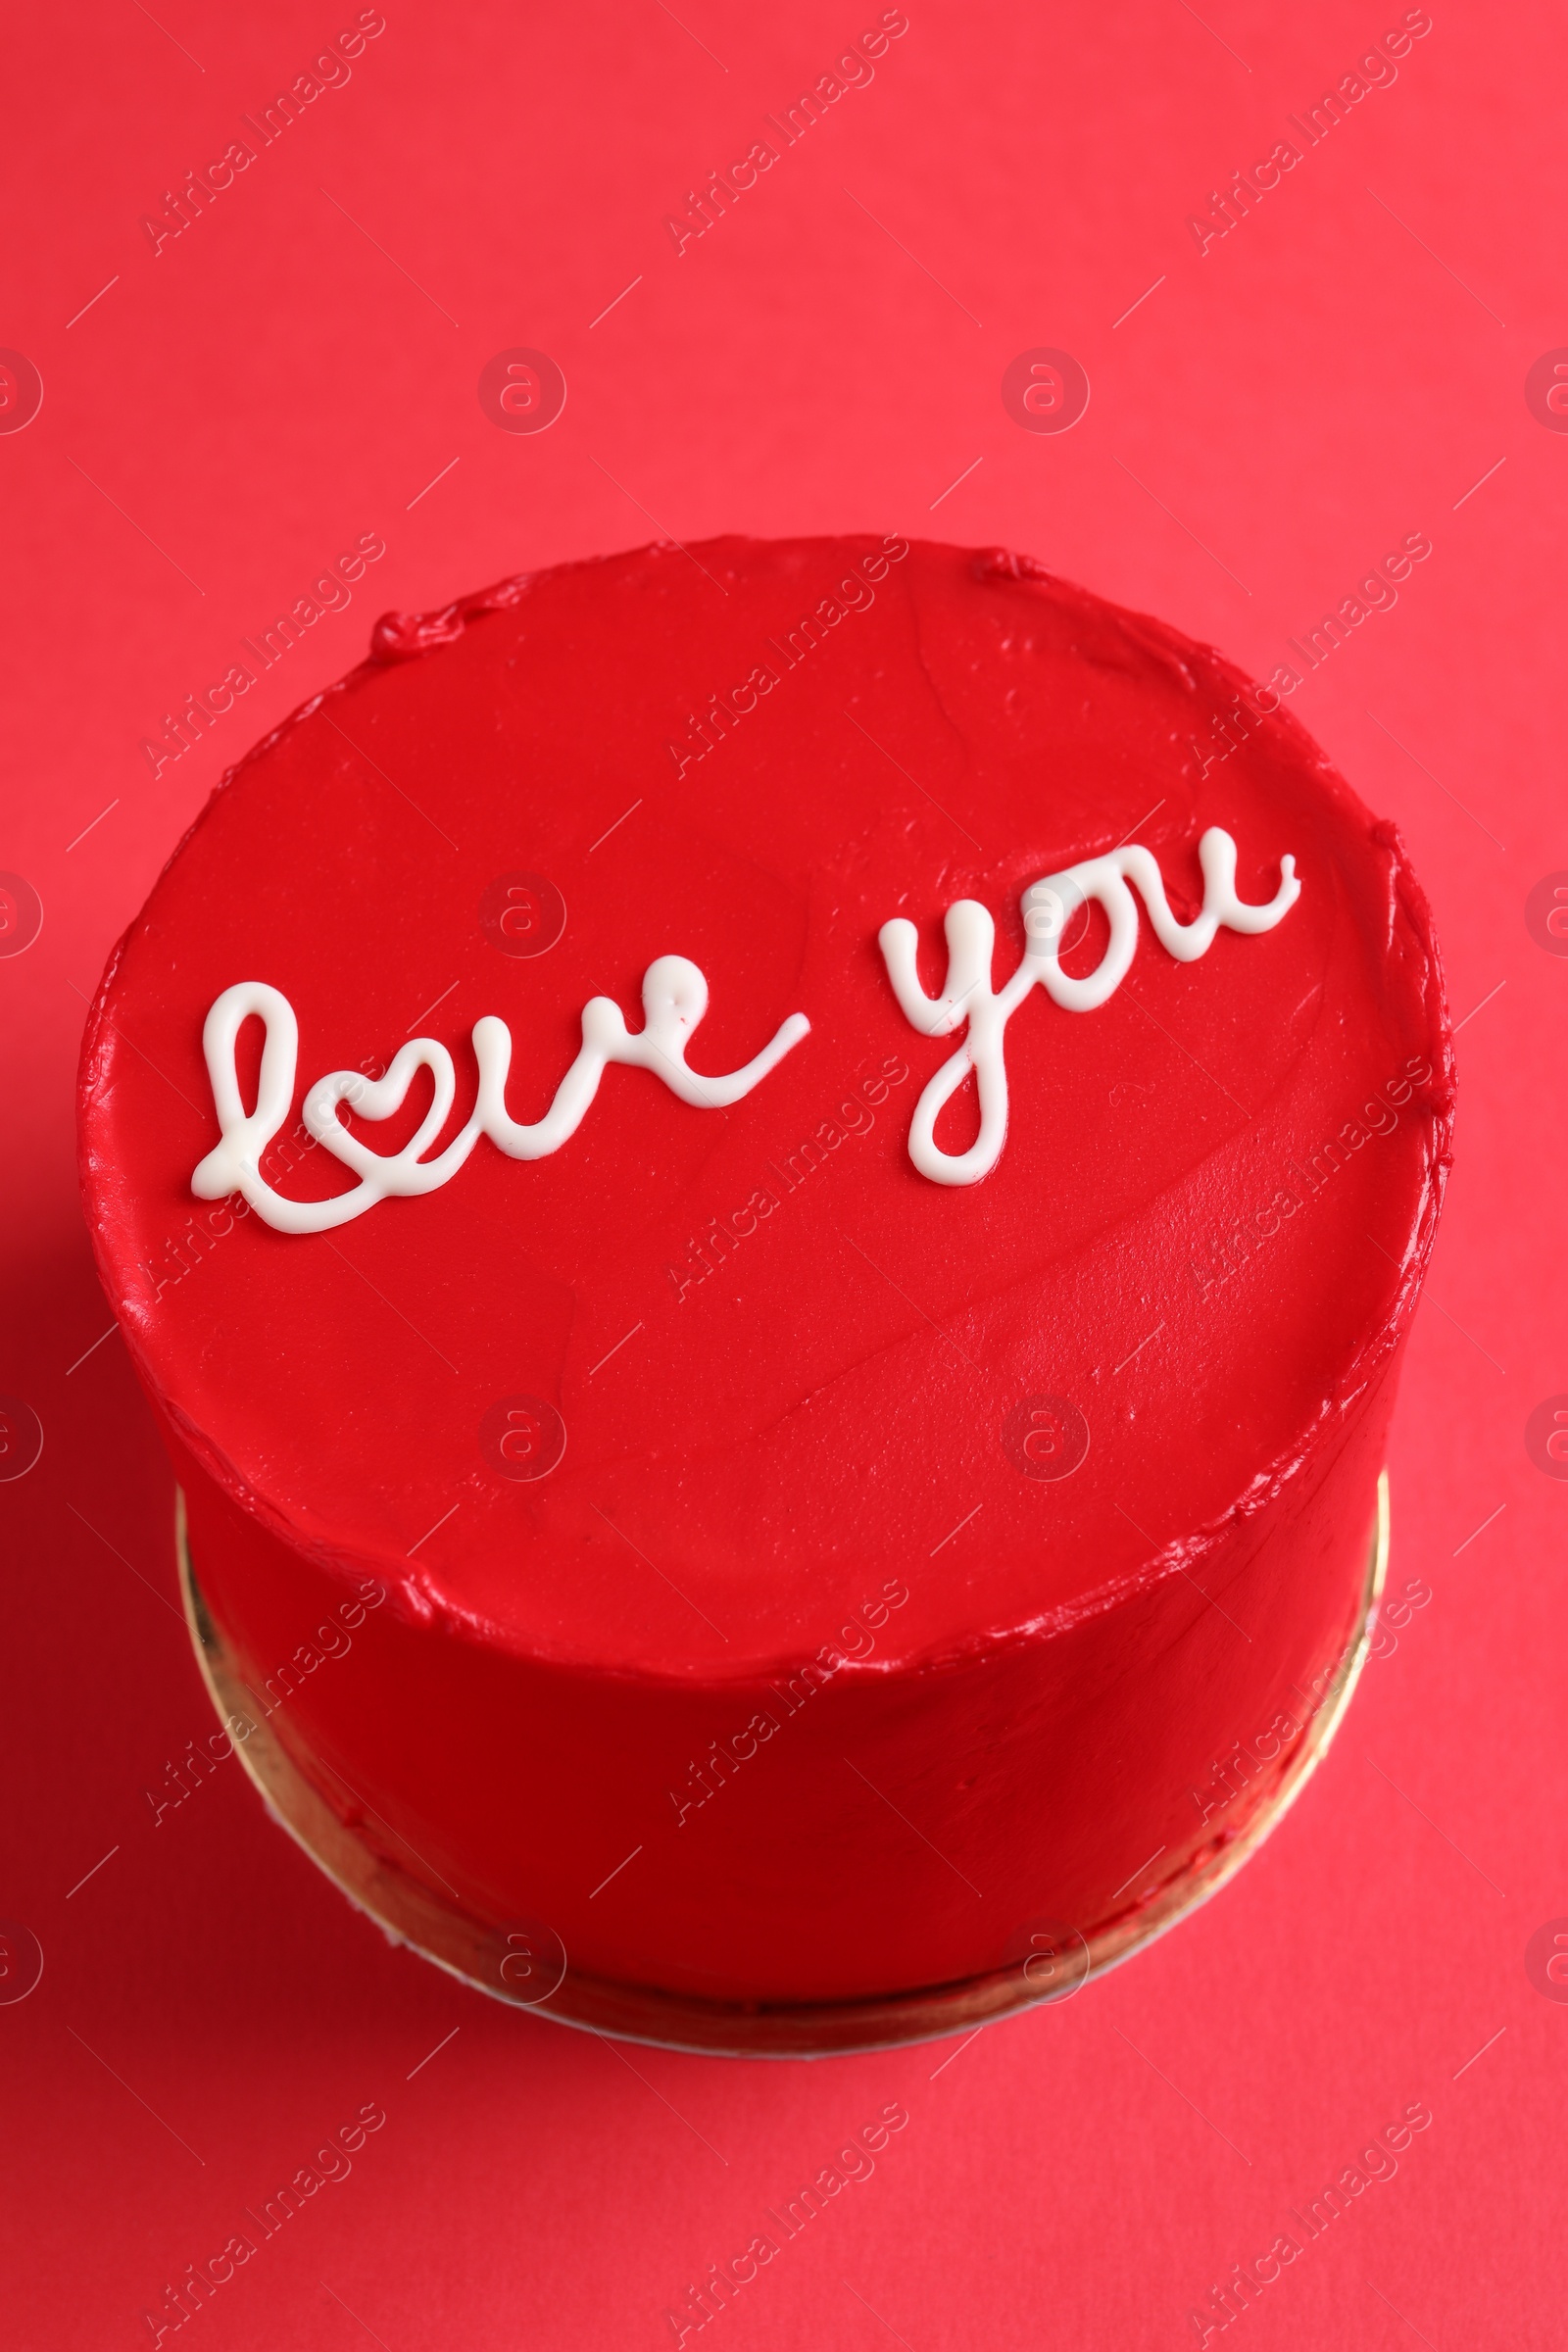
[(1049, 907), (675, 1001)]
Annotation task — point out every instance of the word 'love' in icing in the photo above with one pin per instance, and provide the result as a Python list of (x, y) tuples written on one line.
[(675, 1001), (1049, 906)]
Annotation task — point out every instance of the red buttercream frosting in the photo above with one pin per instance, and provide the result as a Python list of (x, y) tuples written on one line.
[(891, 1563)]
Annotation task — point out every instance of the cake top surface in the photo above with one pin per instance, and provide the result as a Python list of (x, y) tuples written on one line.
[(1056, 1156)]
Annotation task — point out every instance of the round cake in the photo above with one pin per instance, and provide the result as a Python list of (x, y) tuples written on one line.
[(768, 1194)]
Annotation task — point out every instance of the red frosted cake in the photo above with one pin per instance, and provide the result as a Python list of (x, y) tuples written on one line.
[(769, 1196)]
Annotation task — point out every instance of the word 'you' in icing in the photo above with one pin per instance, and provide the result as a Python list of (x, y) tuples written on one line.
[(1049, 906), (675, 1001)]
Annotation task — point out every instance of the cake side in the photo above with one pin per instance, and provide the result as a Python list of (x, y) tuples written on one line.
[(825, 1833)]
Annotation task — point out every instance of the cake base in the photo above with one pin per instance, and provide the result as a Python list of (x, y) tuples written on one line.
[(516, 1966)]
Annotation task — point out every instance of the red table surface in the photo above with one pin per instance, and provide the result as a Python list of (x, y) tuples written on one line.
[(1269, 416)]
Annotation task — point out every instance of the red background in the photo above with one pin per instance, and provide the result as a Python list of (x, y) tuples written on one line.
[(1338, 370)]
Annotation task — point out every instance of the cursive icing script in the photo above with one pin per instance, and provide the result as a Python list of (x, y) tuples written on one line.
[(675, 1001), (1049, 907)]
